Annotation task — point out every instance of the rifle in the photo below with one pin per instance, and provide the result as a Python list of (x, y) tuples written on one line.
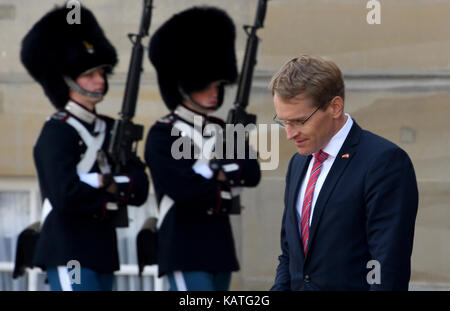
[(238, 115), (125, 133)]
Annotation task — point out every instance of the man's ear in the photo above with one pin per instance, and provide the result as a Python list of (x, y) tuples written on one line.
[(337, 106)]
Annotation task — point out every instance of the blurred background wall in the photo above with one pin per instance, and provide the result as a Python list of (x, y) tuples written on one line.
[(397, 76)]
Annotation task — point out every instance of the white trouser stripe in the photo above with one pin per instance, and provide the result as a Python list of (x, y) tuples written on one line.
[(179, 281), (64, 279), (164, 206)]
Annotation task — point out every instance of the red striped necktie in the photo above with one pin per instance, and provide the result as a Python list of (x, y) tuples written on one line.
[(319, 158)]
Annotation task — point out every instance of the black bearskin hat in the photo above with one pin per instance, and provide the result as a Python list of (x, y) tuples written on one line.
[(191, 50), (53, 48)]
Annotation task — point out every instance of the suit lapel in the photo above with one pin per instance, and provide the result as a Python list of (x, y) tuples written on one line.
[(335, 173)]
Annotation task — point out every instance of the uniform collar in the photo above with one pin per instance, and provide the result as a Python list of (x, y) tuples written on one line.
[(80, 112), (189, 115)]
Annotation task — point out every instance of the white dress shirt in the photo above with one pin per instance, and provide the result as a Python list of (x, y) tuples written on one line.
[(333, 147)]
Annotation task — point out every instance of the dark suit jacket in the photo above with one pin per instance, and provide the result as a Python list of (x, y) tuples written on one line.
[(366, 210)]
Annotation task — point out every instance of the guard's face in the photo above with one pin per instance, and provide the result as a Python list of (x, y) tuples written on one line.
[(207, 97), (312, 135), (92, 81)]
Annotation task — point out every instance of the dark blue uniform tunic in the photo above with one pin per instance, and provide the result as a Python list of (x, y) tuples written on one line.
[(79, 227), (195, 235)]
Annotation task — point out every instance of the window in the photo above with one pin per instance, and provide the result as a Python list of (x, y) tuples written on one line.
[(20, 206)]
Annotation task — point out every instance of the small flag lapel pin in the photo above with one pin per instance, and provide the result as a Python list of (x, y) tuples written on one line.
[(346, 155)]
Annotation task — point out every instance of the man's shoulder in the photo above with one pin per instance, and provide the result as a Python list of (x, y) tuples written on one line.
[(56, 133), (166, 121), (162, 128), (57, 128), (59, 117), (377, 148), (57, 123), (376, 143)]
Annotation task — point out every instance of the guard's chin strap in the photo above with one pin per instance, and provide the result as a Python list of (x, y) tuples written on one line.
[(74, 86), (193, 102)]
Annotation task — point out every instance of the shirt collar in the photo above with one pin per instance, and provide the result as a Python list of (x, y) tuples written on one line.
[(80, 112), (335, 144)]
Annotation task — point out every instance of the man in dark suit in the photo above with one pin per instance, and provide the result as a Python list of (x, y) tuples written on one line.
[(351, 196)]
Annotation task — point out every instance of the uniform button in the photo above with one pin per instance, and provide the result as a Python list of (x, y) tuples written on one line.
[(122, 194), (231, 182), (210, 211), (307, 279), (132, 195), (242, 182)]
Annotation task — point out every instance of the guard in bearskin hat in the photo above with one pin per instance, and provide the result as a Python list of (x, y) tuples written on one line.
[(72, 62), (194, 57)]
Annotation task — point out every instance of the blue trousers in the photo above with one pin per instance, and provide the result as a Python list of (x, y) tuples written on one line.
[(199, 281), (60, 279)]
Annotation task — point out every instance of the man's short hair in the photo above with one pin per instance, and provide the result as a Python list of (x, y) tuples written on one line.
[(315, 77)]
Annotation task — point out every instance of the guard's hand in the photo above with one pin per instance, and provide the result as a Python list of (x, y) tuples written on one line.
[(107, 182), (112, 188), (221, 176), (226, 171)]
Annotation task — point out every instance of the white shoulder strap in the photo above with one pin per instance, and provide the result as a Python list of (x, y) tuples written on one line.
[(190, 131), (93, 143), (206, 145)]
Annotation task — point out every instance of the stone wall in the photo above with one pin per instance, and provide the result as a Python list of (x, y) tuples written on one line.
[(398, 86)]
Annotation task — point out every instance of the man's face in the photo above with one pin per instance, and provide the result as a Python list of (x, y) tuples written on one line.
[(316, 132)]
